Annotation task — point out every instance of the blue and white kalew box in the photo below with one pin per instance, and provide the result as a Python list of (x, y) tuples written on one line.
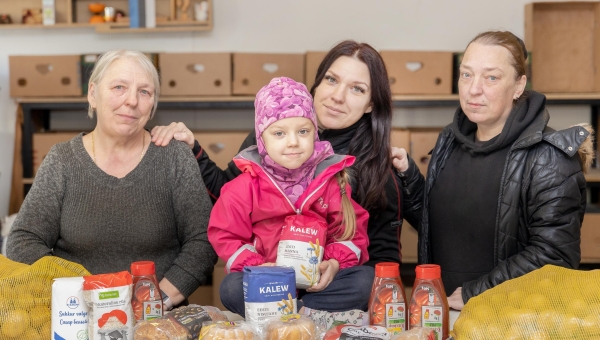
[(70, 313), (269, 292)]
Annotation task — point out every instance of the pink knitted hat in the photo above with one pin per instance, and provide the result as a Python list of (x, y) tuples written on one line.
[(284, 98)]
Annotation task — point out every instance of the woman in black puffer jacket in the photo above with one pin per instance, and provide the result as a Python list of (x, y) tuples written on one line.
[(505, 194)]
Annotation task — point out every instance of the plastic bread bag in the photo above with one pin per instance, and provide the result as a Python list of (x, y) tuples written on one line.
[(416, 333), (357, 332), (291, 327), (227, 330), (181, 323), (109, 299)]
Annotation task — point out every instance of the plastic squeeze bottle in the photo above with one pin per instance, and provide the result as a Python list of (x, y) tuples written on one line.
[(387, 305), (146, 300), (428, 303)]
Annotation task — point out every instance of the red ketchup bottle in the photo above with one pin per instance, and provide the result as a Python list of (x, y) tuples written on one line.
[(387, 305), (428, 303), (146, 300)]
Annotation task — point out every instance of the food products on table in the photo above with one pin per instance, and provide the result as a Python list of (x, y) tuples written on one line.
[(387, 305), (25, 295), (417, 333), (147, 300), (268, 292), (228, 330), (301, 247), (357, 333), (109, 299), (69, 310), (428, 303), (290, 327), (181, 323)]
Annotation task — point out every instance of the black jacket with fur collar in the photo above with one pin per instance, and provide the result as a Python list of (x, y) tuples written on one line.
[(541, 204)]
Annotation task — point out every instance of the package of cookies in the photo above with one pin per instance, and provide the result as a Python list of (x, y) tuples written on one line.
[(291, 327), (183, 323), (227, 330)]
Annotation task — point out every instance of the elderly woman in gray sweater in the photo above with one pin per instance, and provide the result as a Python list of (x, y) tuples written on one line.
[(110, 197)]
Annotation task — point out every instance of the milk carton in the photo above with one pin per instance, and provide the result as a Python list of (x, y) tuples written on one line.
[(269, 292), (69, 311)]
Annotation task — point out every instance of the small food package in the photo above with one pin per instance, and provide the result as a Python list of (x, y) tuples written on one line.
[(183, 323), (357, 332), (227, 330), (416, 333), (69, 310), (293, 326), (301, 247), (109, 299), (268, 292)]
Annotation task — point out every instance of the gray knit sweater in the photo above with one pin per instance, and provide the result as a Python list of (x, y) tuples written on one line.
[(158, 212)]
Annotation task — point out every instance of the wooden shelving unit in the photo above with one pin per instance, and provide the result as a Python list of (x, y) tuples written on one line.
[(43, 107), (74, 14)]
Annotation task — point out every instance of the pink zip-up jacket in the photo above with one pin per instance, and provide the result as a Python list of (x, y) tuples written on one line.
[(245, 223)]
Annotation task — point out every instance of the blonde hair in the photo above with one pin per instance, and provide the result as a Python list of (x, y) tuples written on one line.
[(105, 60), (348, 225)]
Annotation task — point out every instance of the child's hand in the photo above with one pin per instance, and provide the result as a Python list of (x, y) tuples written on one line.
[(268, 264), (328, 271)]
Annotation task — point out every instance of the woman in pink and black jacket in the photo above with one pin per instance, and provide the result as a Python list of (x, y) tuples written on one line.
[(290, 172)]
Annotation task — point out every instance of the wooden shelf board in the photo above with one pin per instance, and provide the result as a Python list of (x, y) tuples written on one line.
[(593, 176), (226, 99)]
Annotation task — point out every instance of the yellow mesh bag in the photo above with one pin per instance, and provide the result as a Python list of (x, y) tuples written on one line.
[(25, 295), (548, 303)]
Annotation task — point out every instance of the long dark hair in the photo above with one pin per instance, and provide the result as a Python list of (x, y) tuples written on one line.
[(371, 142)]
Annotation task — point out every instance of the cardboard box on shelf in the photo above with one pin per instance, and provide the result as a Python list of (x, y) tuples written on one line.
[(221, 146), (564, 38), (195, 74), (590, 238), (400, 138), (409, 240), (43, 142), (202, 296), (252, 71), (218, 276), (422, 142), (419, 72), (312, 61), (44, 76)]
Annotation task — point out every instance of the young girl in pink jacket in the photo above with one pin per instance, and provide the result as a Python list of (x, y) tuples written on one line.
[(290, 172)]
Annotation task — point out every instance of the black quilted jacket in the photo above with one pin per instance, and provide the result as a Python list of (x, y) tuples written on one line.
[(540, 208)]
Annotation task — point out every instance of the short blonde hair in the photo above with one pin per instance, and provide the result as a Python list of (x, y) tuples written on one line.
[(105, 60)]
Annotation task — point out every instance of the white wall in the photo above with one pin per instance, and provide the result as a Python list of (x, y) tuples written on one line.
[(277, 26)]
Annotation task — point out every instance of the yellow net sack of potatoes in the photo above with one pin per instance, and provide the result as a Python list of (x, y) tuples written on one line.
[(548, 303), (25, 295)]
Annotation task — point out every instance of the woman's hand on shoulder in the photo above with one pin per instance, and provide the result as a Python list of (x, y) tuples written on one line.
[(399, 159), (162, 135), (328, 268)]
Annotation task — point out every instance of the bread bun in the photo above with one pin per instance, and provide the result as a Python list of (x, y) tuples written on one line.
[(227, 331), (291, 327)]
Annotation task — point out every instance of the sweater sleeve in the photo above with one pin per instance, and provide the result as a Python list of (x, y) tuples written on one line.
[(556, 201), (230, 226), (192, 206), (213, 176), (37, 226), (351, 252)]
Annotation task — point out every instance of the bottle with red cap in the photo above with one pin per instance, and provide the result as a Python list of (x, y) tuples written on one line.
[(387, 305), (428, 303), (146, 300)]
